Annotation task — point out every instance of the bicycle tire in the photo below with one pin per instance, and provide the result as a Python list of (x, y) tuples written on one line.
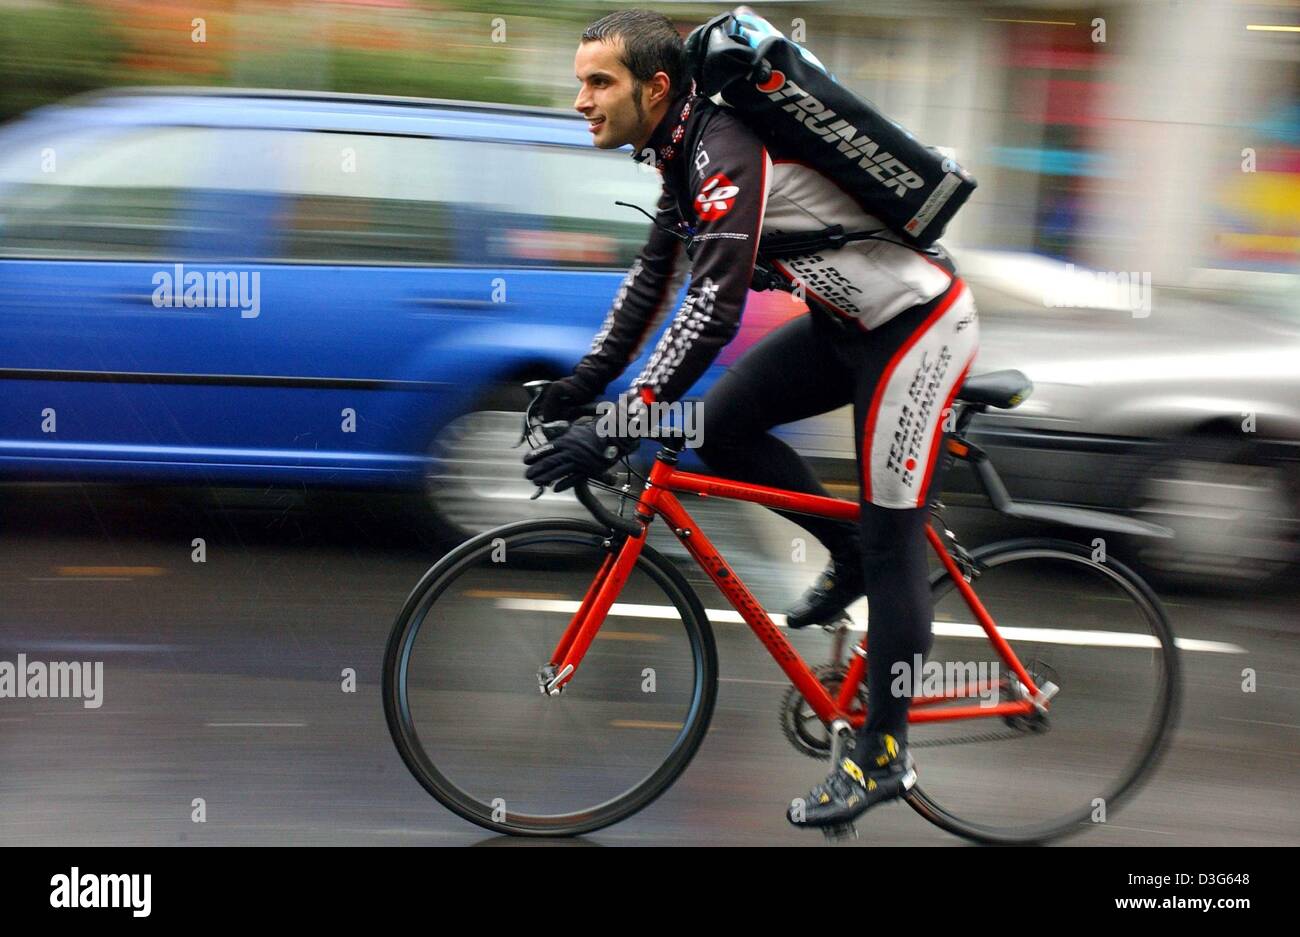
[(1140, 767), (412, 616)]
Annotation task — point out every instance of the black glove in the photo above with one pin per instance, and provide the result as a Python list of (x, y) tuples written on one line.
[(561, 400), (580, 453)]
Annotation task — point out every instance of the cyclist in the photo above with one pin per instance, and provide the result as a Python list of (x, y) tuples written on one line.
[(891, 329)]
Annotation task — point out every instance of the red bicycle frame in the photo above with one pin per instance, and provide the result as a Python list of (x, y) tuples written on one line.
[(658, 499)]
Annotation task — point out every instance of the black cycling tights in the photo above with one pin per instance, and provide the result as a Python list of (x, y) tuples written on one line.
[(811, 366)]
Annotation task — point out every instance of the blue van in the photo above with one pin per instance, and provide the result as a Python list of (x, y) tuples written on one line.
[(225, 287)]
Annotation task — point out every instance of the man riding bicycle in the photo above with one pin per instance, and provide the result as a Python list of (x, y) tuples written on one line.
[(892, 329)]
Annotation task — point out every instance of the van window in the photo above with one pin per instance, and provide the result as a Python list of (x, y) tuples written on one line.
[(252, 195), (86, 194)]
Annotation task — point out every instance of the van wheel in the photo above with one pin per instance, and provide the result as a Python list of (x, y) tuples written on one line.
[(475, 479)]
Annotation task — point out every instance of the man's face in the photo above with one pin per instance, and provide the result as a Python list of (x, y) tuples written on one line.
[(611, 98)]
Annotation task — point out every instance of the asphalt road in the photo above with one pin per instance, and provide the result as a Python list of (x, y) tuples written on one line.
[(223, 684)]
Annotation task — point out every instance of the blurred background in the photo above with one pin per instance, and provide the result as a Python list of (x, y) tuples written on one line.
[(1079, 131), (431, 227)]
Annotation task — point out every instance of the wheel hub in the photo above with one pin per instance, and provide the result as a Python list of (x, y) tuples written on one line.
[(1043, 675)]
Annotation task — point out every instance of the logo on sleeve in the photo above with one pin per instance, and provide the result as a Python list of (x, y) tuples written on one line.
[(716, 197), (701, 160)]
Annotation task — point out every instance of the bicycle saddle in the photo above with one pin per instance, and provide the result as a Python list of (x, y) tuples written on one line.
[(1001, 389)]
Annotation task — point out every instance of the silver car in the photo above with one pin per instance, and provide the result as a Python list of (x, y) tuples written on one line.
[(1188, 417)]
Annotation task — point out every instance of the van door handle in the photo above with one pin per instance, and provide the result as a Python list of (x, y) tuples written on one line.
[(451, 302), (144, 298)]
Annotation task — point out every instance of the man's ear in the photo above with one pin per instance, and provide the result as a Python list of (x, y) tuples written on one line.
[(659, 88)]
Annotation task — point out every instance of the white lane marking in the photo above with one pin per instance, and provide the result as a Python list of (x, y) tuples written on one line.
[(255, 725), (1139, 829), (79, 711), (1084, 638), (1212, 647), (945, 629), (1261, 722)]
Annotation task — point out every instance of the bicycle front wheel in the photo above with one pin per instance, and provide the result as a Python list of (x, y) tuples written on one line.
[(465, 706), (1075, 619)]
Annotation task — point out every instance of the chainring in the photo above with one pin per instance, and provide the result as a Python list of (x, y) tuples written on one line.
[(801, 726)]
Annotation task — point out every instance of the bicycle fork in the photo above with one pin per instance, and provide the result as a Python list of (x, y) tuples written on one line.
[(581, 631)]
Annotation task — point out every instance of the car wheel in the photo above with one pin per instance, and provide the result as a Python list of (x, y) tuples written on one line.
[(475, 479), (1236, 517)]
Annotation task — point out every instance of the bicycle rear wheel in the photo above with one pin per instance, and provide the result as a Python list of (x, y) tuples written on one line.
[(464, 703), (1091, 627)]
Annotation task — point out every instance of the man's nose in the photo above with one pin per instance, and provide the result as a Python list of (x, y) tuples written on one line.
[(581, 103)]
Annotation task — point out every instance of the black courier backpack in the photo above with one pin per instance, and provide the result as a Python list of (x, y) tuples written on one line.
[(795, 106)]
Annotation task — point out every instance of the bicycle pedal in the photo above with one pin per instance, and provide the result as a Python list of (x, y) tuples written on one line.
[(838, 834)]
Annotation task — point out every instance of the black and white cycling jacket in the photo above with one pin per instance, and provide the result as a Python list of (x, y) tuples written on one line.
[(721, 183)]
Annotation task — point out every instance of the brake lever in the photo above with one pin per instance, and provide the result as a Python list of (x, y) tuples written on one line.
[(534, 389), (552, 430)]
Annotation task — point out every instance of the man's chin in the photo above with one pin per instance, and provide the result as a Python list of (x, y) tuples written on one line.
[(608, 139)]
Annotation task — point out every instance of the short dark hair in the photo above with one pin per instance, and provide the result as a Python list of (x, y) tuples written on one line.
[(651, 44)]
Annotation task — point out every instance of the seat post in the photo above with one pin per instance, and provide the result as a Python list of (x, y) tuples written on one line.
[(968, 411)]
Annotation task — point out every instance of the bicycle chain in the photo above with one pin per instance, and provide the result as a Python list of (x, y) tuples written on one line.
[(1040, 672), (792, 698)]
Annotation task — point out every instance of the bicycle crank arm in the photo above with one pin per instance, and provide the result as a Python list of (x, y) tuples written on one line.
[(551, 683)]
